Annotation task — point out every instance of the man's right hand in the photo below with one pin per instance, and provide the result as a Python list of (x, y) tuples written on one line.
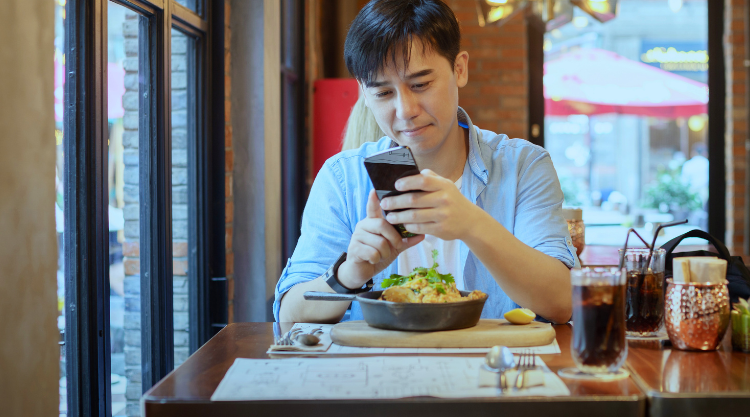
[(375, 244)]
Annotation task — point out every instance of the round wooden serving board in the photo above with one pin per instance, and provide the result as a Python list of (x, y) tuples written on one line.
[(487, 333)]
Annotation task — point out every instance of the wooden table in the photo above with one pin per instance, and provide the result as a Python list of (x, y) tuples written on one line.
[(188, 389), (681, 383)]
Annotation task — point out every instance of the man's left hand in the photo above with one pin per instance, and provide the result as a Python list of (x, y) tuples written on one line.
[(437, 207)]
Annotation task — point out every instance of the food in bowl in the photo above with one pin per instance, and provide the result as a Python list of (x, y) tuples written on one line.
[(425, 285)]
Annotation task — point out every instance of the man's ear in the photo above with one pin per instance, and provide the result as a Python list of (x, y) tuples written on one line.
[(362, 93), (461, 68)]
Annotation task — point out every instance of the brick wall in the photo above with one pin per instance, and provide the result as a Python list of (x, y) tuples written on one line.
[(496, 97), (736, 122), (229, 159)]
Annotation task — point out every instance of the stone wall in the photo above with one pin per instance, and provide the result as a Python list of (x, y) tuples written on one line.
[(180, 195), (131, 213), (131, 246)]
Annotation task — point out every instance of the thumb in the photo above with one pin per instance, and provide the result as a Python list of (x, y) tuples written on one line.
[(429, 172), (373, 206)]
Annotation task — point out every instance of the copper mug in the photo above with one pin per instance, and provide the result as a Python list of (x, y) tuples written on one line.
[(576, 228), (696, 314)]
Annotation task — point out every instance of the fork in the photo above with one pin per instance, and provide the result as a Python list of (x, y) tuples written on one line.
[(526, 362), (286, 339)]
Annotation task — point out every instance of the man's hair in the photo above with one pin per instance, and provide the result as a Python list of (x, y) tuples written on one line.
[(385, 29)]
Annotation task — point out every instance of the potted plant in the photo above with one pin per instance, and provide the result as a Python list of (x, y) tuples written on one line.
[(669, 194)]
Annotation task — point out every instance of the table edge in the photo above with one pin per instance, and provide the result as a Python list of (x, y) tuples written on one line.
[(652, 393)]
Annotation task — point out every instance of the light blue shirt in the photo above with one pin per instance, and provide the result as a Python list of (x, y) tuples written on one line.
[(511, 179)]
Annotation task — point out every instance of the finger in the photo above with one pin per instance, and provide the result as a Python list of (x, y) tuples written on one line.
[(416, 199), (422, 182), (428, 228), (366, 254), (382, 228), (373, 206), (377, 242), (425, 215)]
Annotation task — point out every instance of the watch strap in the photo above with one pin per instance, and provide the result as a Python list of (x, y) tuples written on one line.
[(331, 277)]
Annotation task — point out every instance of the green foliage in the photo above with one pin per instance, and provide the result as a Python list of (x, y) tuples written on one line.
[(434, 278), (570, 189), (743, 307), (668, 190)]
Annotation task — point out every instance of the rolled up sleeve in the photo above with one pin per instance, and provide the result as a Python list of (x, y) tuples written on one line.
[(539, 222), (325, 233)]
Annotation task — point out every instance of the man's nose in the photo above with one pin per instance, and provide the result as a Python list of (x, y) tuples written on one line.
[(407, 106)]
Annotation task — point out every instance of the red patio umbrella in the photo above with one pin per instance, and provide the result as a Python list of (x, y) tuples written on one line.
[(593, 81)]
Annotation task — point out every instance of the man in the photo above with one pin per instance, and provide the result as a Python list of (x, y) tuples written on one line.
[(695, 172), (492, 204)]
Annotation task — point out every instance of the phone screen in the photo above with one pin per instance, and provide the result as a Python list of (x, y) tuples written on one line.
[(385, 168)]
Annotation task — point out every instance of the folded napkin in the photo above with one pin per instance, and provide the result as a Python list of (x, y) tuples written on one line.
[(539, 381), (532, 378), (699, 269)]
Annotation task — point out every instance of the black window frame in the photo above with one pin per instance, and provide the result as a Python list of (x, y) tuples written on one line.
[(87, 336)]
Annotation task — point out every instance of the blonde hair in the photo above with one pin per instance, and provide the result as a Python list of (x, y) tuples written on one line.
[(361, 127)]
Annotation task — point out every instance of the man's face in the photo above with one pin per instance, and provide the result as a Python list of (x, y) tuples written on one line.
[(416, 105)]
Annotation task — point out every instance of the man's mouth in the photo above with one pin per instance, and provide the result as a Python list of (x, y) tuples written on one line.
[(414, 131)]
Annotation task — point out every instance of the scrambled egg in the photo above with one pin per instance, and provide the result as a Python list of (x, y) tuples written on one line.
[(419, 290)]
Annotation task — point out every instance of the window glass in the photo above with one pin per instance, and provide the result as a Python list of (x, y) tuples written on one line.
[(194, 5), (626, 123), (183, 136), (59, 191), (124, 211)]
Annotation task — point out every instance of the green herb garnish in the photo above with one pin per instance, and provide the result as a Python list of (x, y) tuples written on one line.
[(434, 278)]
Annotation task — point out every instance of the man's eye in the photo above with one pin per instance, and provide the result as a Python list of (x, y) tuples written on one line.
[(382, 94), (420, 86)]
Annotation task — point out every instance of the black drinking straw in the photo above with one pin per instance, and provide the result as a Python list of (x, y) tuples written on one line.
[(625, 247), (658, 229)]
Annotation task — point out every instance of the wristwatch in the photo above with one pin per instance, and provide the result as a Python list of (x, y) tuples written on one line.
[(331, 277)]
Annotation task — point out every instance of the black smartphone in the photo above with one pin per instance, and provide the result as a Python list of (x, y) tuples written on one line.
[(385, 168)]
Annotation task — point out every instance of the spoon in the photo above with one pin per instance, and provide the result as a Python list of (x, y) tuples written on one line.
[(500, 358), (308, 339)]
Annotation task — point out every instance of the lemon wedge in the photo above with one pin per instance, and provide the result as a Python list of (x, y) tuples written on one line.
[(520, 316)]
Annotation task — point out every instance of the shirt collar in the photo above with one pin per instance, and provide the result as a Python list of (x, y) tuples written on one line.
[(476, 160)]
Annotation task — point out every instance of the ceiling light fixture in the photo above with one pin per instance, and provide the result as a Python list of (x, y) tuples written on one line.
[(601, 10), (498, 12), (552, 13), (549, 14)]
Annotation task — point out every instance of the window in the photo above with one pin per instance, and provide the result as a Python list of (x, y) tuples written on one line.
[(139, 132), (630, 163)]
